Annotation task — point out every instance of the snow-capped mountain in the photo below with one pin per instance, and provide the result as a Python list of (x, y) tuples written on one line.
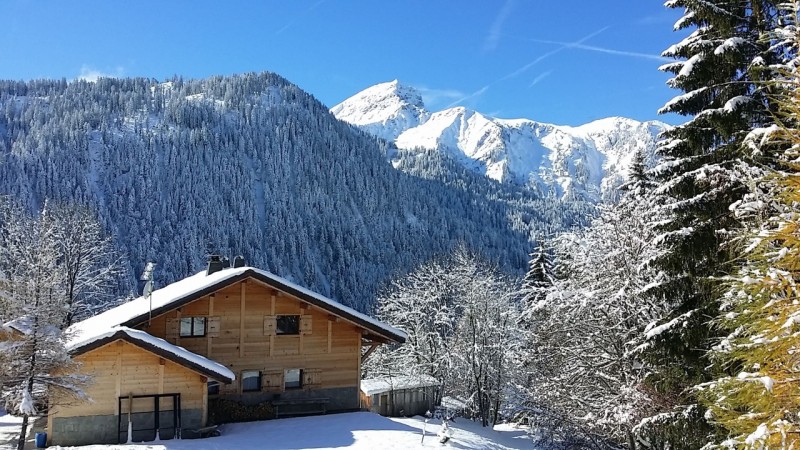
[(588, 161), (384, 110)]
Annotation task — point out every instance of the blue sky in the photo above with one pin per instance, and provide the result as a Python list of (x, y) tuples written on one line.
[(565, 62)]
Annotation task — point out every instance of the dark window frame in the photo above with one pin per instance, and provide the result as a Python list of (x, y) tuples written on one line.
[(287, 325), (299, 379), (259, 378), (193, 326), (213, 387)]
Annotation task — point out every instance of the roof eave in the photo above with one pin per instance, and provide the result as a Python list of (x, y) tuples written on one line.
[(251, 273), (151, 348)]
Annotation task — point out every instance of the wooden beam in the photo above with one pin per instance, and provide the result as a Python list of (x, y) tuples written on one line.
[(161, 363), (210, 313), (118, 387), (274, 294), (241, 320), (367, 353), (330, 334)]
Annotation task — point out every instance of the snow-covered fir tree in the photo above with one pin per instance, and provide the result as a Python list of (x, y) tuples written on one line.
[(755, 398), (540, 276), (722, 69)]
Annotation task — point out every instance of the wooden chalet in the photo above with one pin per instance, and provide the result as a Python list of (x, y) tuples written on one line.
[(228, 343)]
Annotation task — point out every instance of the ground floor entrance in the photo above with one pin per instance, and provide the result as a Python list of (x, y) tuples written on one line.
[(145, 418)]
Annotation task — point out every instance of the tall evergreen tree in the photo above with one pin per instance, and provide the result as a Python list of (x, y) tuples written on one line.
[(540, 276), (723, 65), (756, 400)]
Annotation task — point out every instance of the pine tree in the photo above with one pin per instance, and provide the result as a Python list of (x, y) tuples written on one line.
[(724, 63), (540, 276), (757, 401)]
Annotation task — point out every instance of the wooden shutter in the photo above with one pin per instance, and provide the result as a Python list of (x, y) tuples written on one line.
[(305, 324), (312, 378), (213, 326), (173, 325), (272, 380), (270, 325)]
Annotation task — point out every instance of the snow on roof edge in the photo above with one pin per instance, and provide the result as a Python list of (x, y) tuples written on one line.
[(186, 287), (146, 338), (372, 386), (334, 303)]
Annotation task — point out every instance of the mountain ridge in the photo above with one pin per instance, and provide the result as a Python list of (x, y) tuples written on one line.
[(587, 161)]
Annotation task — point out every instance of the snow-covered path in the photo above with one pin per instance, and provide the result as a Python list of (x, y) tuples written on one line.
[(360, 430)]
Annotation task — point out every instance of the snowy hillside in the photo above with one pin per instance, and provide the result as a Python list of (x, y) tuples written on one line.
[(573, 162), (252, 165)]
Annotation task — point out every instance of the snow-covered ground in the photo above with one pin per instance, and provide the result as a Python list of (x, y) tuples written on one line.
[(360, 430)]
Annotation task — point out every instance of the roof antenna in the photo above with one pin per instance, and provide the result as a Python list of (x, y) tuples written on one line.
[(147, 277)]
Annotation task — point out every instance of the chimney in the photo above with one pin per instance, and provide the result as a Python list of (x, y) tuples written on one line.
[(214, 264), (238, 261)]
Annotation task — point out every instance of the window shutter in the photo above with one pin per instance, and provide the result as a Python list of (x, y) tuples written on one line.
[(213, 326), (270, 325), (272, 380), (172, 329), (312, 377), (305, 324)]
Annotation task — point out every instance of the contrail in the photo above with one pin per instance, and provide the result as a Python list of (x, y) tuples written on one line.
[(603, 50)]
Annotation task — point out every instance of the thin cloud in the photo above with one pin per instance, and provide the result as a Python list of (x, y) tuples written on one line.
[(475, 94), (293, 21), (610, 51), (89, 73), (496, 30), (431, 96), (539, 78)]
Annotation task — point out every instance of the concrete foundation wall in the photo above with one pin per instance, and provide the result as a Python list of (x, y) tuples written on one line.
[(103, 429), (339, 399)]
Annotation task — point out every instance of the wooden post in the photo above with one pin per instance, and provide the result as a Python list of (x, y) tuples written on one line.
[(178, 334), (272, 313), (330, 333), (300, 344), (210, 313), (161, 363), (118, 387), (241, 320), (204, 414)]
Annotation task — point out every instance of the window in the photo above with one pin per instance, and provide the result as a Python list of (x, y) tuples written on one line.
[(193, 326), (287, 325), (292, 379), (213, 388), (251, 381)]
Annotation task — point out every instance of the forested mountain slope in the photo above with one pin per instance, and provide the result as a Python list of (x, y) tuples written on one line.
[(252, 165)]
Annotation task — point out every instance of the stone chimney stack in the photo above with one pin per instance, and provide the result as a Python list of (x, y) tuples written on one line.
[(214, 264)]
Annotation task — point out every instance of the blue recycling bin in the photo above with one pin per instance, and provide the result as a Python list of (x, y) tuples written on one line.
[(41, 440)]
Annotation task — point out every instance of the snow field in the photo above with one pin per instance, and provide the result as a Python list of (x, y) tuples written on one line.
[(360, 430)]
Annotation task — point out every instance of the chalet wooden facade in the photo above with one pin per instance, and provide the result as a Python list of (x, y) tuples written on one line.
[(241, 335)]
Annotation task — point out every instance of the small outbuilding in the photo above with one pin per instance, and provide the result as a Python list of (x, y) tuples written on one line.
[(406, 395)]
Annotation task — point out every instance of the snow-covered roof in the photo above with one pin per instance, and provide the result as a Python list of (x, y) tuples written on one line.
[(22, 324), (372, 386), (196, 286), (86, 341)]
